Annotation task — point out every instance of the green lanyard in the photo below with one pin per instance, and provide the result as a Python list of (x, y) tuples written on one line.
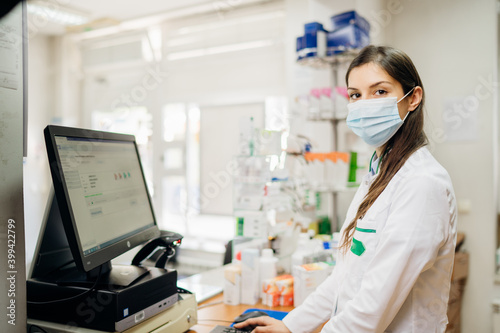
[(380, 161)]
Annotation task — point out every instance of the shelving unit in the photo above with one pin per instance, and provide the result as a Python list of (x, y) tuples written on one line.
[(332, 63), (257, 191)]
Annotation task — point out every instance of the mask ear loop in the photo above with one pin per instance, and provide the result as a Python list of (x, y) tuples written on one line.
[(407, 113), (406, 95)]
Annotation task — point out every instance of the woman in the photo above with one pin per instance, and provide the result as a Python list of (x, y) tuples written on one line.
[(398, 240)]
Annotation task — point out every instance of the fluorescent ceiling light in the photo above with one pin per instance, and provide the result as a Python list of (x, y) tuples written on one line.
[(219, 49), (230, 22), (57, 14)]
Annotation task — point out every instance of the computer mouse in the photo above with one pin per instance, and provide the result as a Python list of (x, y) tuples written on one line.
[(248, 315)]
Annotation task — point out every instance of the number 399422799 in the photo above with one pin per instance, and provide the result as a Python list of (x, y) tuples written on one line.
[(11, 244)]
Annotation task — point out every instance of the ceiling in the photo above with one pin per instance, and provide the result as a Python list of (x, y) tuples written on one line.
[(123, 10)]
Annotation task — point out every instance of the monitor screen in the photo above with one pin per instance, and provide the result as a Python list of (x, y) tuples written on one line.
[(102, 193)]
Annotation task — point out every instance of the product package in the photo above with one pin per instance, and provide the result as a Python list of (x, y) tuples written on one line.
[(278, 291), (232, 284), (350, 31), (315, 40), (250, 276), (307, 278)]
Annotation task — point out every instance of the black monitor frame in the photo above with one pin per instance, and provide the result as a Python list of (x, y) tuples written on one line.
[(102, 258)]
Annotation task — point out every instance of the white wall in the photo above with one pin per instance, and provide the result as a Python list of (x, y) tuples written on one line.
[(453, 45)]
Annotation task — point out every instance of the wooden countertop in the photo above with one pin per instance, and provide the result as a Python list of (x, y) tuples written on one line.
[(214, 312)]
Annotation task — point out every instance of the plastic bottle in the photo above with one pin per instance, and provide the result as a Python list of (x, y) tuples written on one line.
[(498, 260), (326, 103), (314, 103), (267, 269), (302, 249), (335, 244), (251, 142)]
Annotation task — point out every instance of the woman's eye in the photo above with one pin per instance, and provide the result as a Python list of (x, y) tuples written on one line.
[(354, 96), (380, 92)]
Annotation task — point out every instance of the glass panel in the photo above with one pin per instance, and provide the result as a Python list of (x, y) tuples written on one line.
[(193, 159), (174, 203), (174, 123), (173, 158)]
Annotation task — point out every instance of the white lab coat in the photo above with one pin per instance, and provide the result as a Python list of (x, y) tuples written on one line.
[(401, 281)]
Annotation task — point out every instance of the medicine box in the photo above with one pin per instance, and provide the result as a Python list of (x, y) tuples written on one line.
[(350, 31), (251, 224), (350, 18), (300, 47), (278, 291), (307, 278), (346, 38), (232, 284), (250, 276), (315, 40)]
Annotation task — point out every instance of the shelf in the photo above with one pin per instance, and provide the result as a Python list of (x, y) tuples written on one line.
[(261, 183), (329, 189), (326, 62), (325, 119), (258, 155)]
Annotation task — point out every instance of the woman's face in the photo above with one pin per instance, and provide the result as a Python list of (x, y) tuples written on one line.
[(372, 81)]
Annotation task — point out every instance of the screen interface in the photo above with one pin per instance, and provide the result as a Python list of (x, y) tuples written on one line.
[(106, 190)]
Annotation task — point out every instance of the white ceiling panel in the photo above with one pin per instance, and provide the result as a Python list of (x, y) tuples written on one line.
[(128, 9)]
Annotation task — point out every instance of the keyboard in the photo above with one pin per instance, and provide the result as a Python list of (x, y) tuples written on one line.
[(227, 329)]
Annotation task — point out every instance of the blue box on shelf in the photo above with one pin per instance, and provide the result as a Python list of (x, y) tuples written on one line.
[(351, 31), (314, 43), (347, 38), (300, 47), (350, 18)]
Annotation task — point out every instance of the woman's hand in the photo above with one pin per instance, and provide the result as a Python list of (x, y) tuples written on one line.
[(264, 324)]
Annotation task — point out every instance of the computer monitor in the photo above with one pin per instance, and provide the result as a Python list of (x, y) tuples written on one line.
[(101, 192)]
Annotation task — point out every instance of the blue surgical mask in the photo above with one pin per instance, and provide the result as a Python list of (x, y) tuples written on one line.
[(375, 120)]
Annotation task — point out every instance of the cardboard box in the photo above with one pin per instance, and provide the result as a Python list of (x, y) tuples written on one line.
[(458, 280), (278, 291), (307, 277), (250, 276), (455, 306), (454, 318), (232, 284), (460, 266)]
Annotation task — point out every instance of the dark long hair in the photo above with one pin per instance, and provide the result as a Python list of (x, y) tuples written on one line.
[(410, 136)]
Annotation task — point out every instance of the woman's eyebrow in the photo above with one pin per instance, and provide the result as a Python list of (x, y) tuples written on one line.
[(380, 82), (371, 86)]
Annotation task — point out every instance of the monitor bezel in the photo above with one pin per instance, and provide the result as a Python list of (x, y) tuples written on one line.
[(93, 260)]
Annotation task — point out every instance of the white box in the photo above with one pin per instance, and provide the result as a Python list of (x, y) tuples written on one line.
[(250, 276), (254, 224), (307, 278), (232, 284)]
